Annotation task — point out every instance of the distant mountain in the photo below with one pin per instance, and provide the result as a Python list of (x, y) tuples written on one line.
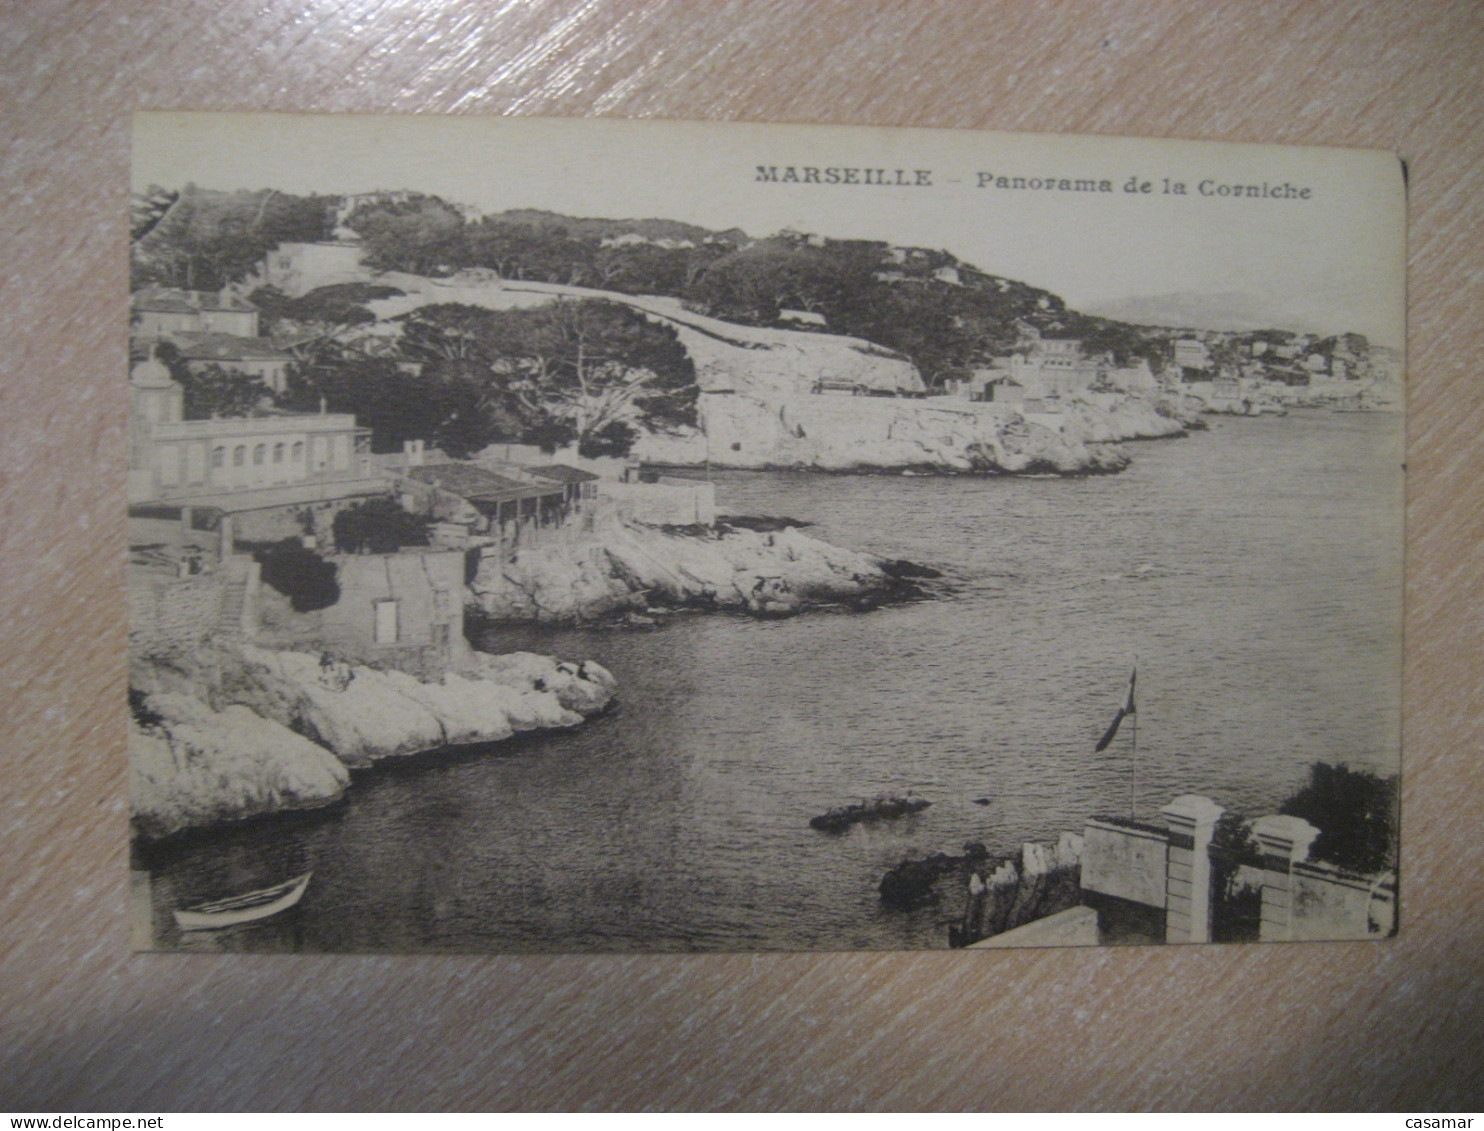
[(1234, 311)]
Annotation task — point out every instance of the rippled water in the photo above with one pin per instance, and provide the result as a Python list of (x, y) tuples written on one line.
[(1254, 570)]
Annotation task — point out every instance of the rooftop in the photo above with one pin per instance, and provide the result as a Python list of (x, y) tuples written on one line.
[(258, 425), (561, 473), (226, 347), (475, 483), (174, 300)]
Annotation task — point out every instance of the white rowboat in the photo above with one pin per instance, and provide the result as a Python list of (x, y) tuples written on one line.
[(244, 908)]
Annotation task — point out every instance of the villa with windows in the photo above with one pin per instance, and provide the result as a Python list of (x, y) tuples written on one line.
[(242, 463)]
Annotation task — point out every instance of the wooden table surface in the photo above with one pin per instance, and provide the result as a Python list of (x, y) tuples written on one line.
[(86, 1025)]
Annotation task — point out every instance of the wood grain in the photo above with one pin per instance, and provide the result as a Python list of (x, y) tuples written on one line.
[(84, 1024)]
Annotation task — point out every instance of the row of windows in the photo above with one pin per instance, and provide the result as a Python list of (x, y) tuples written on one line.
[(259, 454)]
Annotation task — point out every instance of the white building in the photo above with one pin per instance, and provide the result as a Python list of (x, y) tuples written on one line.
[(170, 310), (1191, 353), (298, 268), (1055, 367), (240, 463), (254, 357)]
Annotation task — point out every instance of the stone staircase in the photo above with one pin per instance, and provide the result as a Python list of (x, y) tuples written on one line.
[(234, 597)]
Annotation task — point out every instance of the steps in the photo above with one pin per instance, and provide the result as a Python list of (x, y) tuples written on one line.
[(234, 596)]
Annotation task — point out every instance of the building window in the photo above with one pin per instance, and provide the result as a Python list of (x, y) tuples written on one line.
[(260, 454), (299, 452), (385, 629), (239, 455), (277, 453), (218, 457)]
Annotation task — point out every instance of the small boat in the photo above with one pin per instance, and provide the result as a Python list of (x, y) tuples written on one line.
[(245, 908), (883, 808)]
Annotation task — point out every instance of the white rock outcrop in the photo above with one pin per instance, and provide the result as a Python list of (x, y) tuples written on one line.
[(235, 732), (198, 766), (862, 433), (622, 566), (759, 407)]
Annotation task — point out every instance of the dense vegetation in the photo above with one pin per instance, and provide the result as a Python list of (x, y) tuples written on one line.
[(306, 579), (1356, 813), (462, 377), (588, 372), (945, 315), (378, 526), (205, 239), (212, 390)]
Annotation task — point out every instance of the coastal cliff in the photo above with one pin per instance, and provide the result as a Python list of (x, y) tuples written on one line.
[(617, 567), (938, 434), (228, 732), (761, 403)]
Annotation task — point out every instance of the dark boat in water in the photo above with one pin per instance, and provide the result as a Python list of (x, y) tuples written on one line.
[(886, 807)]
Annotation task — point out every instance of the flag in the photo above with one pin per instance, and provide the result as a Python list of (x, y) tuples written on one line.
[(1126, 709)]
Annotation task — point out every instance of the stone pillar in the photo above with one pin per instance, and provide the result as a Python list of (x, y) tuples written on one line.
[(1192, 820), (1285, 842)]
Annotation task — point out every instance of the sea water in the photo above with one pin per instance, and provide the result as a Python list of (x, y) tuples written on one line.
[(1252, 571)]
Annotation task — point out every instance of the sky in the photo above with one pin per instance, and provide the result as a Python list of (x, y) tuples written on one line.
[(1334, 260)]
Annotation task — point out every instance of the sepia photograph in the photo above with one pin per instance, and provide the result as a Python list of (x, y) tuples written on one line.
[(652, 536)]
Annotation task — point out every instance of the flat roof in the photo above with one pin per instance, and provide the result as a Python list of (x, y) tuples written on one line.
[(240, 426), (476, 484), (562, 473)]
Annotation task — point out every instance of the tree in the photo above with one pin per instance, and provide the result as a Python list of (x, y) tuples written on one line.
[(596, 364), (615, 438), (327, 323), (755, 283), (444, 408), (301, 575), (421, 235), (1355, 812), (583, 366), (211, 390), (378, 526), (207, 239)]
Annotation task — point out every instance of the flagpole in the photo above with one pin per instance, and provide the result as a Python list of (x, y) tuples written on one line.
[(1133, 798), (1133, 773)]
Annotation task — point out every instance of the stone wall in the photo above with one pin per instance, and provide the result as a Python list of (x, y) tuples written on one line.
[(428, 588), (1165, 874), (173, 614), (1331, 903), (1125, 859)]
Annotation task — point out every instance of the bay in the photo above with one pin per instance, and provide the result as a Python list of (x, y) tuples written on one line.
[(1253, 570)]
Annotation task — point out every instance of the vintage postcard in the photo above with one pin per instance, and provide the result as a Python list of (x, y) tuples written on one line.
[(588, 535)]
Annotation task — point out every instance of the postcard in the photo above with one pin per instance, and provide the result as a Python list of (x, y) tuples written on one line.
[(592, 535)]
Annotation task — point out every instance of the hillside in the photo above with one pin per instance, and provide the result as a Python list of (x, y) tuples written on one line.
[(596, 228)]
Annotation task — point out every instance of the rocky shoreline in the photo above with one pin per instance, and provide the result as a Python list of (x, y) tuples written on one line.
[(625, 572), (998, 893), (940, 435), (228, 732)]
